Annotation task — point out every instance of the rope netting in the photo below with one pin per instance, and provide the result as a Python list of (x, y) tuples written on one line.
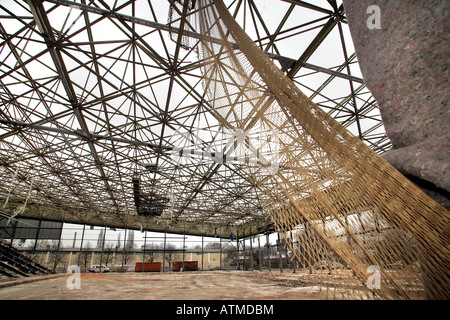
[(353, 224)]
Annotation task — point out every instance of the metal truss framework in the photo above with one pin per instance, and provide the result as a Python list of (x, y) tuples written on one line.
[(95, 93)]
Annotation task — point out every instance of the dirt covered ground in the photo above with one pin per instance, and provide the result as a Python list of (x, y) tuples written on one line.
[(218, 285)]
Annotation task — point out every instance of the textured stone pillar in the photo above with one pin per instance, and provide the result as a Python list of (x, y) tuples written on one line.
[(402, 48), (404, 60)]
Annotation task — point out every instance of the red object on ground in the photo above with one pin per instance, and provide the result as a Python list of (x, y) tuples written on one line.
[(188, 265), (148, 267)]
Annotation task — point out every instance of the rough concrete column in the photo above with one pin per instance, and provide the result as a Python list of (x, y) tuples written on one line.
[(405, 65)]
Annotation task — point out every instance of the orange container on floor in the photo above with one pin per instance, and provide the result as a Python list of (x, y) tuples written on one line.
[(188, 265), (148, 267)]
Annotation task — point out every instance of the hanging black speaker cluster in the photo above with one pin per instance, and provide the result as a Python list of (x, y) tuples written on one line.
[(148, 204)]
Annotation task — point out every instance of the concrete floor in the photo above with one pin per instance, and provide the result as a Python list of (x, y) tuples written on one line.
[(224, 285)]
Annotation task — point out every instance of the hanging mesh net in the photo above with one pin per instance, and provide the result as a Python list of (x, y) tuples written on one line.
[(353, 224)]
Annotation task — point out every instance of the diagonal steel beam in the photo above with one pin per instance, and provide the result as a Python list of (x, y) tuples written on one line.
[(40, 16), (320, 37), (309, 6), (160, 26)]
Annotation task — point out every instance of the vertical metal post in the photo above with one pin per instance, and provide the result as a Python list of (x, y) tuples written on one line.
[(280, 254), (286, 249), (81, 245), (251, 250), (268, 251), (294, 262), (37, 234), (103, 247), (164, 251), (74, 241), (237, 249), (259, 253), (202, 246), (184, 242), (124, 245), (220, 240), (244, 267), (57, 249), (14, 232), (143, 251)]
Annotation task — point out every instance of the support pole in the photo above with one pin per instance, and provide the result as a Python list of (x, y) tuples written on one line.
[(280, 254), (184, 242), (259, 253), (37, 234), (251, 250), (294, 262), (268, 252), (143, 251), (124, 245), (237, 249), (202, 246), (164, 252), (220, 240), (57, 250), (81, 245), (102, 248), (244, 267)]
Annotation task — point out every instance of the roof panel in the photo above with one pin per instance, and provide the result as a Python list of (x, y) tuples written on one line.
[(142, 97)]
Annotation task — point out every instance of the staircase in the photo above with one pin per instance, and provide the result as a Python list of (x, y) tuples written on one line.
[(14, 264)]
